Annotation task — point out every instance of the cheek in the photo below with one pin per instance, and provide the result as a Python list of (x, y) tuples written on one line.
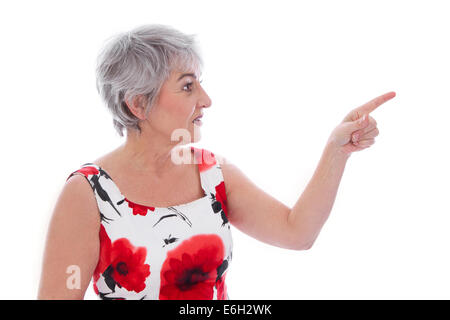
[(174, 112), (176, 116), (182, 113)]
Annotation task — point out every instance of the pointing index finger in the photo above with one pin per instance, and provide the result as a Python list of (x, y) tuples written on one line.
[(375, 103)]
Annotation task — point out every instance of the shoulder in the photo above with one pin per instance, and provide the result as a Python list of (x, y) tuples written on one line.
[(230, 172), (86, 170), (207, 156), (234, 178), (77, 199), (224, 168)]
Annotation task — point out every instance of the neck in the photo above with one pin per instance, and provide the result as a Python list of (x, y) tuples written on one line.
[(148, 153)]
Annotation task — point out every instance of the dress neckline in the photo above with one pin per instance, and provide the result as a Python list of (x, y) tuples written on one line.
[(154, 207)]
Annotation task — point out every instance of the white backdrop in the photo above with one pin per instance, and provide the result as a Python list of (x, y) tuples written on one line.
[(281, 76)]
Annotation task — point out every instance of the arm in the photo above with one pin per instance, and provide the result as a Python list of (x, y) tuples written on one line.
[(314, 205), (355, 133), (254, 212), (263, 217), (72, 239)]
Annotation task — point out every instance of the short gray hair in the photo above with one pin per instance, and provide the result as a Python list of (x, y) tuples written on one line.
[(137, 63)]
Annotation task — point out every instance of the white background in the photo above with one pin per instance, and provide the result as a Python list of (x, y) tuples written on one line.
[(281, 76)]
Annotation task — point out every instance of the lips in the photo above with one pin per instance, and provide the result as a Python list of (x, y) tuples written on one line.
[(198, 118)]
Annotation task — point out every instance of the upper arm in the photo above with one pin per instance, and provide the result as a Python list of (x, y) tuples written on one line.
[(255, 212), (72, 240)]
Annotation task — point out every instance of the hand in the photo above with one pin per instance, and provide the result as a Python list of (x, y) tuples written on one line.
[(358, 129)]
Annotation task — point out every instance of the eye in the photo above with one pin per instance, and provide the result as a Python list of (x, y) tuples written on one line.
[(189, 84)]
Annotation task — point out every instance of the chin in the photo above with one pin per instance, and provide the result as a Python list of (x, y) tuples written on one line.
[(196, 135)]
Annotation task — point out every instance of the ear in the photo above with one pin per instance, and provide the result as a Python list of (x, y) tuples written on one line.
[(137, 106)]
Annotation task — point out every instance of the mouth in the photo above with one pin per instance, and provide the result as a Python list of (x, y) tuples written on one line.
[(197, 120)]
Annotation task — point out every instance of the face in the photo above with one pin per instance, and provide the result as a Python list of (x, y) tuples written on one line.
[(181, 100)]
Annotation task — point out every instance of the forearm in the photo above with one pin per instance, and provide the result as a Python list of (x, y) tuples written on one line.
[(314, 205)]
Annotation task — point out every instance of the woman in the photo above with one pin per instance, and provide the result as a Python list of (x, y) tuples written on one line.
[(153, 221)]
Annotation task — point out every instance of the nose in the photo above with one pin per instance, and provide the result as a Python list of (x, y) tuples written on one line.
[(205, 100)]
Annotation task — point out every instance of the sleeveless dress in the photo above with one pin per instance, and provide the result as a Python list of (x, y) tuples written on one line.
[(181, 252)]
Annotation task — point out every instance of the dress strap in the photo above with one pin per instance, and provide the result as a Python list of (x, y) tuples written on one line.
[(107, 195), (87, 170), (211, 174)]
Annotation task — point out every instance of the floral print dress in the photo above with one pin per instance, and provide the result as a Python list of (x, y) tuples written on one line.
[(181, 252)]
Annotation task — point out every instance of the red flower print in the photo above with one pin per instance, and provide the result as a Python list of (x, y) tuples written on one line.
[(104, 256), (190, 270), (204, 158), (221, 196), (121, 263), (129, 270), (221, 288), (95, 286), (139, 208)]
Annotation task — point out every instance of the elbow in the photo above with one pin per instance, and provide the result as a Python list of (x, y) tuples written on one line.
[(299, 239), (298, 246), (304, 246), (299, 243)]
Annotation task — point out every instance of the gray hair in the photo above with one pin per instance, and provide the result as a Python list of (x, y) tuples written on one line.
[(137, 63)]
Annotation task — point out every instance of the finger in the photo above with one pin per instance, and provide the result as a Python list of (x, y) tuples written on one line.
[(371, 134), (360, 149), (370, 131), (365, 142), (370, 127), (374, 103), (353, 148)]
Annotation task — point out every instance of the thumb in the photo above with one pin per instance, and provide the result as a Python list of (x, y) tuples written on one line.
[(361, 123), (358, 126), (355, 126)]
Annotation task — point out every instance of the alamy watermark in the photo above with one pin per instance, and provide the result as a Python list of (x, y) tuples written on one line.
[(205, 157), (74, 280)]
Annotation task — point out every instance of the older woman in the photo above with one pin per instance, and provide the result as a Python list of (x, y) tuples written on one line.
[(151, 219)]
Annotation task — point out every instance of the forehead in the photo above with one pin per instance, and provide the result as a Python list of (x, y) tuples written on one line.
[(180, 75)]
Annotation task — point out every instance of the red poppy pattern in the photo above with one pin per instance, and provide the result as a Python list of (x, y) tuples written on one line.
[(221, 288), (138, 208), (190, 270), (177, 252), (121, 264)]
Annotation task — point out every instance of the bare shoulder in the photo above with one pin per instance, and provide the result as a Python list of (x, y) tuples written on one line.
[(232, 175), (77, 196), (235, 179), (76, 211)]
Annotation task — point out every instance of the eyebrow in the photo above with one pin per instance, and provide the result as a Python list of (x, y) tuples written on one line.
[(187, 74)]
